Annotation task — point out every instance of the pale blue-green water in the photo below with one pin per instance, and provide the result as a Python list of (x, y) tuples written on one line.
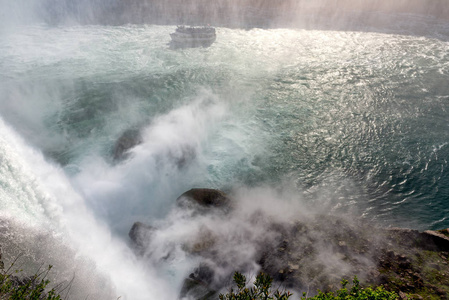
[(350, 121)]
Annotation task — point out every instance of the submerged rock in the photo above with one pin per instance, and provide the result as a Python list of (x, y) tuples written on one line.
[(129, 139), (204, 198)]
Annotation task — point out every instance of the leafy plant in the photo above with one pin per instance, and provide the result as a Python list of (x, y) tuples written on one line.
[(28, 288), (356, 292), (260, 291)]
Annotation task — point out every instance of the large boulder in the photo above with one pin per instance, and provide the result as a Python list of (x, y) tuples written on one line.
[(204, 198), (199, 284), (140, 235)]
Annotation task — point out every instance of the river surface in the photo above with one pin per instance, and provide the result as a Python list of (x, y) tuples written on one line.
[(352, 122)]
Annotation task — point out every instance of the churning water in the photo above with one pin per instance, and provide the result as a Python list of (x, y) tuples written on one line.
[(349, 121)]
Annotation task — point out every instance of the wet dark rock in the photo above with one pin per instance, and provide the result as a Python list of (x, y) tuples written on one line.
[(440, 240), (204, 198), (199, 284), (202, 243), (140, 235), (204, 273), (194, 289), (427, 240), (129, 139)]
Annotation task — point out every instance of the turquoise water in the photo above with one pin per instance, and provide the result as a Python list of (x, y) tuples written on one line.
[(362, 115), (349, 121)]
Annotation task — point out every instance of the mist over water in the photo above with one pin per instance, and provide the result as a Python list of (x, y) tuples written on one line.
[(290, 121)]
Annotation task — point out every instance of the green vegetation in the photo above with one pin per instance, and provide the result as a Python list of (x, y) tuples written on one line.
[(29, 288), (262, 291), (356, 292)]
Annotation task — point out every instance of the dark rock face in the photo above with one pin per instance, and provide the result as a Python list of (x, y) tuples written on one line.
[(140, 234), (195, 289), (440, 240), (202, 244), (129, 139), (427, 240), (198, 285), (204, 198)]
